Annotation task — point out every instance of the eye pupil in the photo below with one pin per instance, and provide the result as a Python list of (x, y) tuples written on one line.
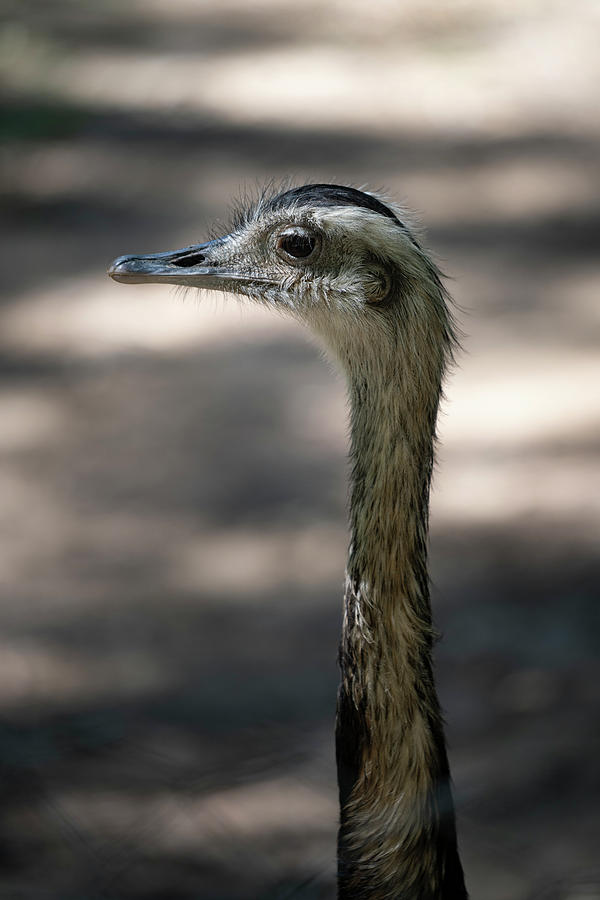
[(298, 244)]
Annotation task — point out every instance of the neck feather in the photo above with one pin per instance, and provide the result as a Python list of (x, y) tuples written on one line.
[(397, 835)]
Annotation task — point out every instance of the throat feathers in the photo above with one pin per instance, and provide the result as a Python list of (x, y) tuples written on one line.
[(397, 836)]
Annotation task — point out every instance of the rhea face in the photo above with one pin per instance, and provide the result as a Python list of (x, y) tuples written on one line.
[(315, 244), (339, 259)]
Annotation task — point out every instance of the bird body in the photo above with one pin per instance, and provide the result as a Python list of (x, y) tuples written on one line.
[(347, 265)]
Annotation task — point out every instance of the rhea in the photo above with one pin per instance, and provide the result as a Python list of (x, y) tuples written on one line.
[(346, 264)]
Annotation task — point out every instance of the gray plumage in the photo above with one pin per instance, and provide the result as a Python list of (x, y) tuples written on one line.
[(347, 264)]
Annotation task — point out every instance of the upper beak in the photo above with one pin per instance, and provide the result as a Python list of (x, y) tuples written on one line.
[(196, 266)]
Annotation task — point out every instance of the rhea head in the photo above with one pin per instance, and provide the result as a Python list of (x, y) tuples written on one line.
[(341, 260)]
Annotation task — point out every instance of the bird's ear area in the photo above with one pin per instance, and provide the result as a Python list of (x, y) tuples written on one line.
[(387, 248), (377, 283)]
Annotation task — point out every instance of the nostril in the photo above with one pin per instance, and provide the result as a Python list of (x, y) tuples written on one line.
[(191, 259)]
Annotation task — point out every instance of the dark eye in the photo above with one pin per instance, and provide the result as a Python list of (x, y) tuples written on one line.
[(296, 243)]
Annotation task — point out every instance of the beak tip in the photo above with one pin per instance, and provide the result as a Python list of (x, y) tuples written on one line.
[(121, 269)]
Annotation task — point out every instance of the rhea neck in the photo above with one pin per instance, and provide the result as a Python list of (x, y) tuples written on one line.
[(397, 835)]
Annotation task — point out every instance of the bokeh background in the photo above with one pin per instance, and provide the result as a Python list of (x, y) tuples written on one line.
[(173, 474)]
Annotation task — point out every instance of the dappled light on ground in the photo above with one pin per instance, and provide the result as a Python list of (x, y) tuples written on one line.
[(172, 467)]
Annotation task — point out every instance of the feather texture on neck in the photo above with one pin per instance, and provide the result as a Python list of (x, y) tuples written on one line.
[(397, 835)]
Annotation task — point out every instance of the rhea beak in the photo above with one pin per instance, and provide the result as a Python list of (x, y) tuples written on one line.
[(196, 266)]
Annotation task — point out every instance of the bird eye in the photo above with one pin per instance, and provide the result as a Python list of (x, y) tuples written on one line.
[(296, 244)]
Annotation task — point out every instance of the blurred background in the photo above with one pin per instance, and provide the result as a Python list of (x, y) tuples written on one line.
[(173, 474)]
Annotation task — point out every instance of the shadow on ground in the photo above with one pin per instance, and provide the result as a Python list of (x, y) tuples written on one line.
[(115, 787), (166, 725)]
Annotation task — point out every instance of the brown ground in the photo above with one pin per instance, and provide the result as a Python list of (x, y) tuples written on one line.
[(173, 476)]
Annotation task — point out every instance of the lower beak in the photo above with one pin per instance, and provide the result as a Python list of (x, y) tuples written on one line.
[(195, 266)]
